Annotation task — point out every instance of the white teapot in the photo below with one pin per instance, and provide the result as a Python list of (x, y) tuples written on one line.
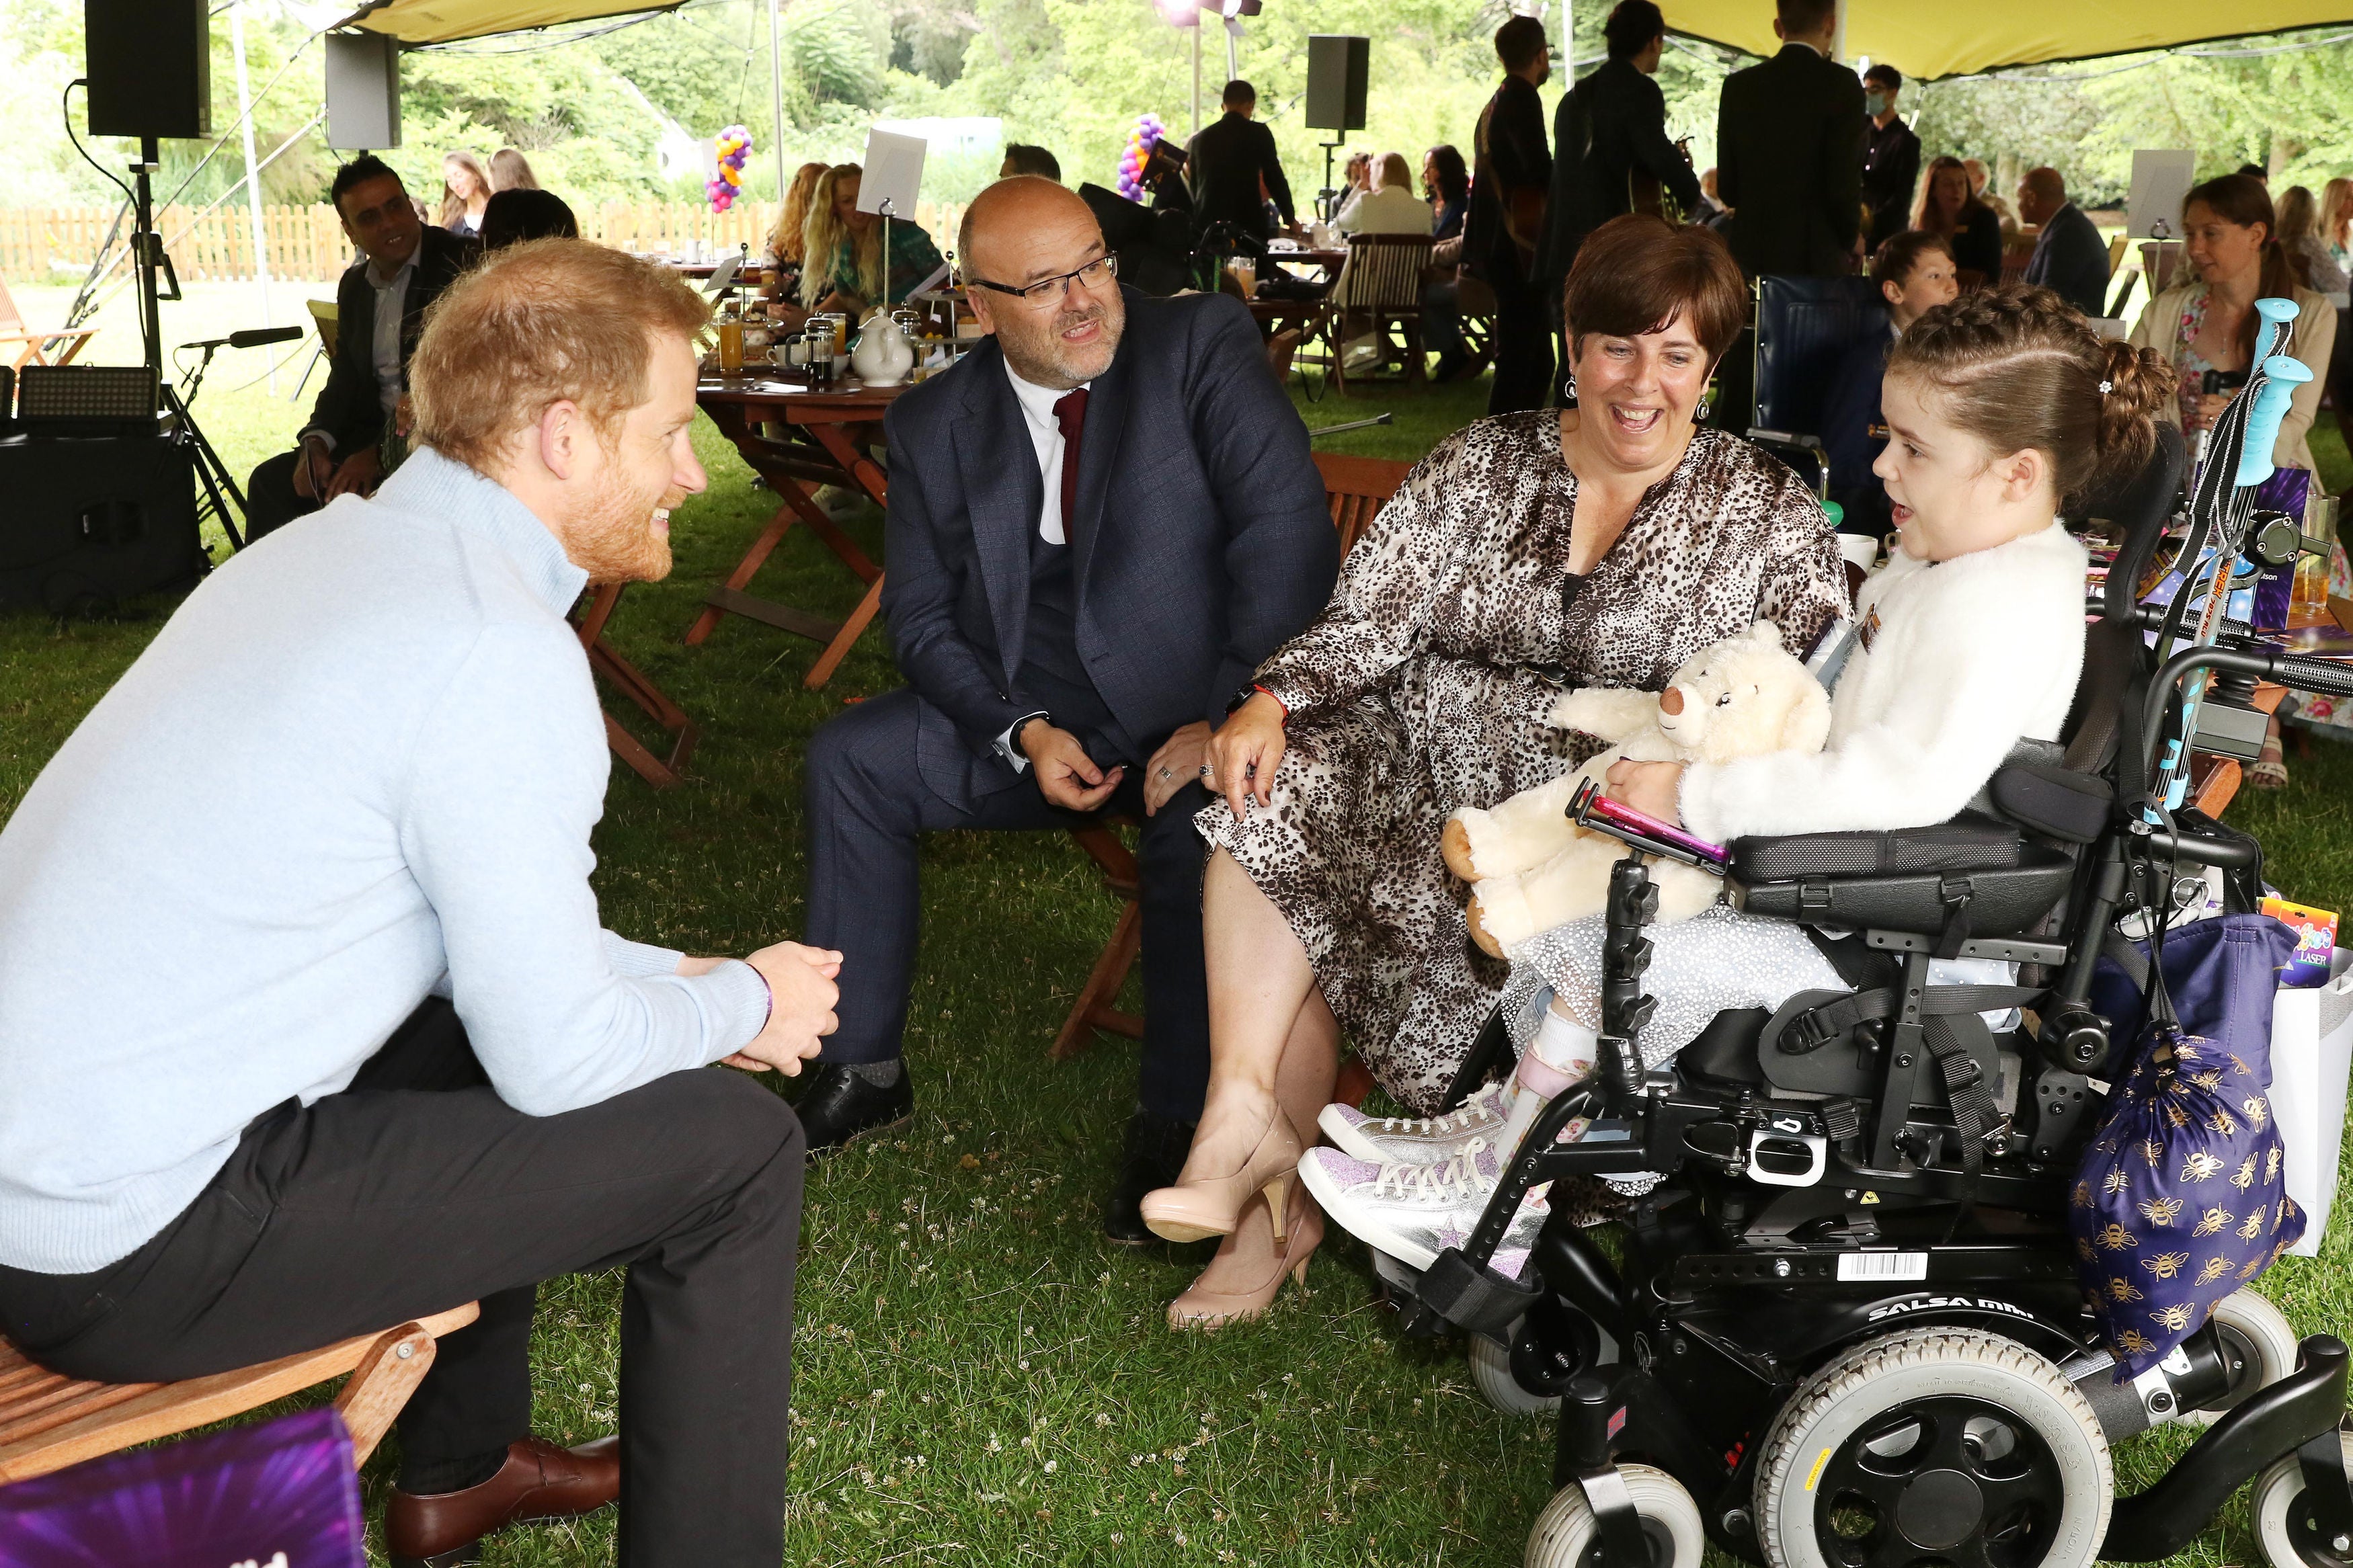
[(882, 356)]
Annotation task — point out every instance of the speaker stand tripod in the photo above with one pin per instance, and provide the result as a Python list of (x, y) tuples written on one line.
[(149, 257)]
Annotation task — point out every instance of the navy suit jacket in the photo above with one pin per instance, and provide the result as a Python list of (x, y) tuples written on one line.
[(349, 408), (1201, 539), (2071, 259)]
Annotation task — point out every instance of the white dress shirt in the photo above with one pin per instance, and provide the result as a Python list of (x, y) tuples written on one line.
[(1392, 209)]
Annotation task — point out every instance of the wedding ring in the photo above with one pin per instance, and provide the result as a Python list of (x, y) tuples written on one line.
[(1165, 773)]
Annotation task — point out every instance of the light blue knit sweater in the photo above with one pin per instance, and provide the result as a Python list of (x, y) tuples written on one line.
[(360, 765)]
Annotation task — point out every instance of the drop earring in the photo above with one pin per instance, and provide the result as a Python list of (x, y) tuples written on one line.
[(1701, 412), (1570, 387)]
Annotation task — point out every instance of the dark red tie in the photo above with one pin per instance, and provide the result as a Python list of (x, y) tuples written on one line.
[(1071, 413)]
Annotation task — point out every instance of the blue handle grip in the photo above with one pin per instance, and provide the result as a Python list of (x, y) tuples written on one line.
[(2282, 376), (2276, 315)]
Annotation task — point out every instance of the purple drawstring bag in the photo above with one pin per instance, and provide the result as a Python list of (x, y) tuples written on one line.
[(282, 1492), (2180, 1200)]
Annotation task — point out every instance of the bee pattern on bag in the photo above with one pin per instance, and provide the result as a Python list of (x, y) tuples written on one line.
[(2222, 1121), (2213, 1268), (2113, 1237), (2132, 1342), (2212, 1221), (2121, 1289), (2153, 1152), (2082, 1249), (2257, 1111), (2175, 1116), (2165, 1265), (2244, 1176), (2173, 1320), (2198, 1166), (2211, 1080), (2083, 1194), (2253, 1227), (2247, 1270), (2271, 1163), (2161, 1211), (2240, 1062)]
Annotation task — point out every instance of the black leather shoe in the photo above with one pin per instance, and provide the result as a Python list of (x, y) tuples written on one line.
[(838, 1107), (1156, 1147)]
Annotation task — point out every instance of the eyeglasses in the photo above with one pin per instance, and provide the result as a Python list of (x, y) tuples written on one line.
[(1053, 290)]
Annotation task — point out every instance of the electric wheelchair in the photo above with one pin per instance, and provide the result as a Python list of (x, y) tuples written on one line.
[(1845, 1330)]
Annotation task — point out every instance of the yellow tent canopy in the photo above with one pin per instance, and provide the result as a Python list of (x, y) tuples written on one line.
[(1931, 40), (1922, 39), (442, 21)]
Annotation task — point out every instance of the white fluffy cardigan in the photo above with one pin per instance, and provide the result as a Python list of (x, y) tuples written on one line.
[(1967, 656)]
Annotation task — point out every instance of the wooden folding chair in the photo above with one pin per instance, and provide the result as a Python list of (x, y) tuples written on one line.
[(48, 1421), (57, 347), (661, 771), (1378, 296), (327, 315), (1354, 489)]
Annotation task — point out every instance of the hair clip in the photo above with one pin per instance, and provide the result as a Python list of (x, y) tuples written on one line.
[(2106, 387)]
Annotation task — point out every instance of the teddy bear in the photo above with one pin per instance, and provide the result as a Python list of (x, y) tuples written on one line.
[(1531, 868)]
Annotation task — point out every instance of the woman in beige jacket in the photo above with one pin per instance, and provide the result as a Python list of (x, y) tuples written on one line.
[(2208, 323)]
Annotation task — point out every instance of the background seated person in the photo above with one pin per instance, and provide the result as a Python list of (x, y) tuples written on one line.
[(1913, 271), (1101, 519), (1390, 206), (380, 1061), (1970, 228), (2207, 321), (2070, 258), (784, 279), (1602, 544), (1446, 182), (842, 260), (379, 310), (1024, 158), (526, 213)]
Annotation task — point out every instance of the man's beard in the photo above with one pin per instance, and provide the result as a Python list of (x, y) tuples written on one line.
[(613, 539), (1053, 362)]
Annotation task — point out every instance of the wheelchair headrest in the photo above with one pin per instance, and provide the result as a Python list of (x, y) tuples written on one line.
[(2137, 509)]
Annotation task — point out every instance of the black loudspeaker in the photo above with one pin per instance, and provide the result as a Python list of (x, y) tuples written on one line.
[(85, 523), (151, 71), (1337, 64)]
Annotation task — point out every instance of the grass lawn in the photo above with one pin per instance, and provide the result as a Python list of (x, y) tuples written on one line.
[(980, 1376)]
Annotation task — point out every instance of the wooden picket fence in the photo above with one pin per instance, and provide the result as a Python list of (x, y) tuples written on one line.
[(42, 245)]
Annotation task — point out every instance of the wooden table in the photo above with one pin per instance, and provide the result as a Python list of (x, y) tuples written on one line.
[(1329, 260), (822, 447), (632, 683)]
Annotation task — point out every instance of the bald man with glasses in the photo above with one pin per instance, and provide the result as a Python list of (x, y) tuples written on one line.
[(1101, 520)]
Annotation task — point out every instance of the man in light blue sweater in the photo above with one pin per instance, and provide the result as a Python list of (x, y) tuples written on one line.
[(307, 1023)]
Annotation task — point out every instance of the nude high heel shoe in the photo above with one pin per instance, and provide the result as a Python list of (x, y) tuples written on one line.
[(1197, 1210), (1208, 1309)]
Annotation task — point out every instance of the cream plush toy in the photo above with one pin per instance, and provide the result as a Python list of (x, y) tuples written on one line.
[(1532, 868)]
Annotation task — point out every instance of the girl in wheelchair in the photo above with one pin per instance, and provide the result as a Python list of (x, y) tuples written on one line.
[(2004, 409)]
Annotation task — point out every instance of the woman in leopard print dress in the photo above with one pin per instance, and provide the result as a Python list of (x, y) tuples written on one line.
[(1527, 553)]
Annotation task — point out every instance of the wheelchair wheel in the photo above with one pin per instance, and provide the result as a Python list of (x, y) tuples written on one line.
[(2286, 1536), (1934, 1444), (1565, 1534), (1491, 1373), (2256, 1336)]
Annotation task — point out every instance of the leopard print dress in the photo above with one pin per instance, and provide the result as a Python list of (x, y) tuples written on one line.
[(1424, 684)]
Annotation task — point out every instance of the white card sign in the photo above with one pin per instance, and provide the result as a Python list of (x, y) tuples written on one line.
[(2160, 178), (893, 174)]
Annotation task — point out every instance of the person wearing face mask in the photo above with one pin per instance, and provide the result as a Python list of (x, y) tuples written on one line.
[(1891, 155), (1913, 272), (1101, 519), (2206, 322), (1601, 544)]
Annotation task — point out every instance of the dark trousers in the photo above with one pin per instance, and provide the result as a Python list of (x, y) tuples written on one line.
[(1524, 361), (271, 500), (417, 1189), (869, 803)]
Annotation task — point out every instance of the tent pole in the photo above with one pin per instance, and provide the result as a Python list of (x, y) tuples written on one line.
[(777, 103), (1197, 71), (252, 177)]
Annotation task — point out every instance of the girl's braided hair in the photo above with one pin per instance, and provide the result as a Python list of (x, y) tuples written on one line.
[(2019, 367)]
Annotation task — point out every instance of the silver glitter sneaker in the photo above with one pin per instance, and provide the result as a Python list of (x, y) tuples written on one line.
[(1413, 1213), (1415, 1141)]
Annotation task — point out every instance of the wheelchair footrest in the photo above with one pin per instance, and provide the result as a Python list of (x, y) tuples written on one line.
[(1473, 1297)]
